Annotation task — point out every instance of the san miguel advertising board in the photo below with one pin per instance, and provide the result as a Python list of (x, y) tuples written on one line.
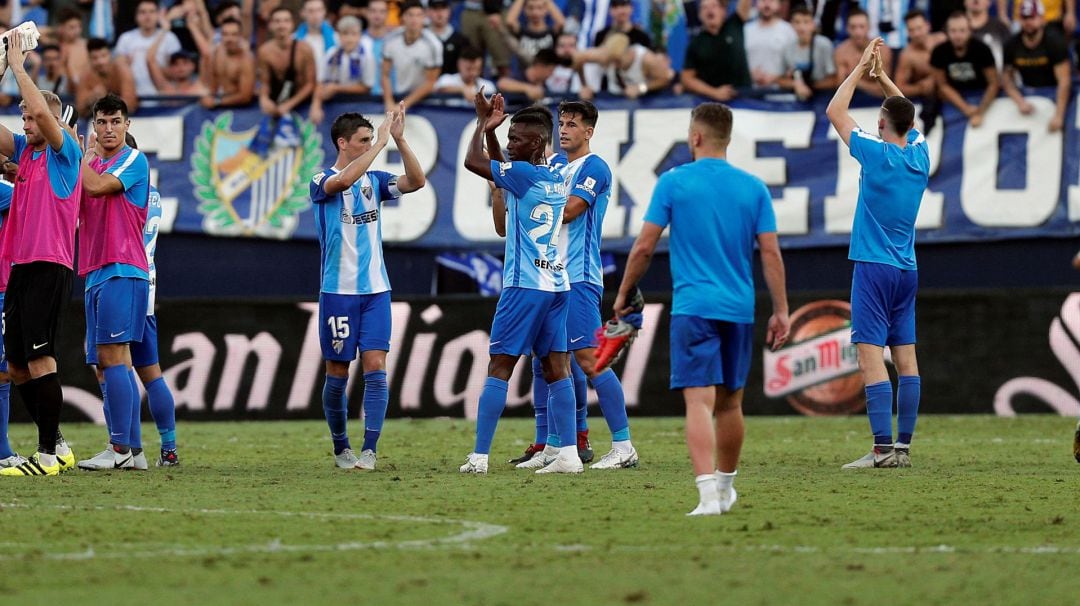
[(996, 352)]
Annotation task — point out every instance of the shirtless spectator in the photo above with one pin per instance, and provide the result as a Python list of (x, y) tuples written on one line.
[(808, 60), (849, 52), (286, 68), (962, 65), (412, 59), (73, 53), (106, 75), (229, 70), (992, 32), (914, 75), (179, 78), (52, 77), (132, 46)]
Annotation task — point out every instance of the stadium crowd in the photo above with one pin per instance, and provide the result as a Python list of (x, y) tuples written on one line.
[(285, 54)]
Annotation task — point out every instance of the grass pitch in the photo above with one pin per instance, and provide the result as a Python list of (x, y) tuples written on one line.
[(257, 515)]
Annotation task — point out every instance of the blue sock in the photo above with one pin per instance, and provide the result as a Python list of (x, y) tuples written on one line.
[(581, 394), (540, 400), (118, 390), (879, 404), (561, 406), (613, 404), (490, 408), (376, 399), (163, 410), (136, 410), (5, 410), (105, 408), (908, 393), (336, 409)]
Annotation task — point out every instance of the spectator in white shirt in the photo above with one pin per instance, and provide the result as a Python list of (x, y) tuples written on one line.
[(766, 37), (412, 59), (133, 45)]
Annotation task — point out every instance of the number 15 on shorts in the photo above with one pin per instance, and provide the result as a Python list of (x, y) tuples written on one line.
[(339, 326)]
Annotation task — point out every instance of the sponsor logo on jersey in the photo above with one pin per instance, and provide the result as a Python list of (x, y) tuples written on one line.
[(818, 371)]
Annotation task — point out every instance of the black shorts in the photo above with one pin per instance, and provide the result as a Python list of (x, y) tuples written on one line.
[(33, 307)]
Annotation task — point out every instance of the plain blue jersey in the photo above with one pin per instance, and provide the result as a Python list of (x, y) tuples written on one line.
[(891, 185), (715, 212), (588, 178), (535, 200), (350, 232), (150, 235)]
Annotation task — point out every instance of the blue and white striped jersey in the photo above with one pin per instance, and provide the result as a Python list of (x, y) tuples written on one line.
[(150, 234), (350, 233), (588, 178), (535, 199)]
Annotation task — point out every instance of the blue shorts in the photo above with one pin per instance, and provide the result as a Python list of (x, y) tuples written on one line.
[(145, 352), (708, 352), (351, 323), (115, 313), (583, 315), (883, 304), (529, 321)]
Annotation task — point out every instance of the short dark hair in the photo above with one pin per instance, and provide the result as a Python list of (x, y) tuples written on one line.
[(716, 117), (899, 113), (405, 6), (914, 14), (800, 10), (855, 12), (67, 14), (546, 56), (130, 141), (280, 9), (538, 116), (346, 125), (224, 5), (470, 53), (229, 20), (44, 48), (582, 108), (957, 15), (109, 105), (142, 2), (94, 44)]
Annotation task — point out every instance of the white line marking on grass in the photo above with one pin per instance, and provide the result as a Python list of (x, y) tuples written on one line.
[(813, 549), (471, 531)]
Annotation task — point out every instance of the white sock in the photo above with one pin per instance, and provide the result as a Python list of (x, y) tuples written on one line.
[(902, 445), (706, 486), (481, 457), (568, 452), (550, 450), (46, 460), (62, 448), (622, 446), (724, 480)]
